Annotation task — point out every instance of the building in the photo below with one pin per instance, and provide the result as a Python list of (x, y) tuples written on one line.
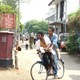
[(59, 18)]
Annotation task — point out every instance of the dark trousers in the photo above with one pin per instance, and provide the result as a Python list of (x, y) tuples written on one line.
[(47, 60)]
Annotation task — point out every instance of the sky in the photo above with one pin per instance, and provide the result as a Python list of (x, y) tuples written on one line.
[(72, 5), (39, 9), (36, 9)]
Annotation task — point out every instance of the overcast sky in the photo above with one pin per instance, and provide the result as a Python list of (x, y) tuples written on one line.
[(38, 9), (72, 5)]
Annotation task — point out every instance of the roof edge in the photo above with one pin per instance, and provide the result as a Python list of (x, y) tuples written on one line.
[(56, 22), (50, 3)]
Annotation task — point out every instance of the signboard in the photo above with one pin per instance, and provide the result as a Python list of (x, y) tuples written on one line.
[(7, 21)]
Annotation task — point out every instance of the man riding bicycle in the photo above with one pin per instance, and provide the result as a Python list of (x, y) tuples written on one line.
[(45, 46), (54, 39)]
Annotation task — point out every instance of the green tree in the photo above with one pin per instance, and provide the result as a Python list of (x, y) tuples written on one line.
[(74, 21), (74, 28), (36, 26), (6, 9), (21, 27), (12, 3)]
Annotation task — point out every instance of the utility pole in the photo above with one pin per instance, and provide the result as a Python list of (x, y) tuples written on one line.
[(18, 28), (18, 24)]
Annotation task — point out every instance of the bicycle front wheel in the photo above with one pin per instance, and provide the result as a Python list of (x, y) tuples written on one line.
[(60, 69), (38, 71)]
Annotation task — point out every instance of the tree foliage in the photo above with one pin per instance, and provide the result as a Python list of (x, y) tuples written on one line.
[(74, 21), (12, 3), (36, 26), (74, 28), (21, 27), (6, 9)]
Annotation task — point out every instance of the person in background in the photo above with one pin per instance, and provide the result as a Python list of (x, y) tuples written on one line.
[(23, 38), (31, 40)]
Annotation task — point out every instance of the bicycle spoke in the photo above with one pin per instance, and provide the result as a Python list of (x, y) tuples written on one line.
[(60, 69), (38, 72)]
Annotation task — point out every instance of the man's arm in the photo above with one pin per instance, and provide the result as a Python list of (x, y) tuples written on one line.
[(49, 44), (55, 40)]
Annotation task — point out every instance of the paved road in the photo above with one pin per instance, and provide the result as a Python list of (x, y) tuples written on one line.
[(28, 57)]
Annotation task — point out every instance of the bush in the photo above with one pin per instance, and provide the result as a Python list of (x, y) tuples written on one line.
[(78, 44), (71, 44)]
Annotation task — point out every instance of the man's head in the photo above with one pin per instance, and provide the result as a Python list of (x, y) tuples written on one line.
[(50, 30), (40, 35)]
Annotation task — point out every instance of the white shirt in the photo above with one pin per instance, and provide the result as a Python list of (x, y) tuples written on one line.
[(47, 41)]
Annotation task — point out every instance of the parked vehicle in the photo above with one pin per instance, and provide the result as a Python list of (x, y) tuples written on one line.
[(62, 41)]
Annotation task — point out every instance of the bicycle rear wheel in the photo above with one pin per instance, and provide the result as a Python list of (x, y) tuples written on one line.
[(61, 69), (38, 71)]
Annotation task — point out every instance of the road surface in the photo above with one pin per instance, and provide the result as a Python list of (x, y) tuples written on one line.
[(27, 57)]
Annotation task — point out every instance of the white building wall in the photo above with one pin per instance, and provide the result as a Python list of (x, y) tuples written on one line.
[(59, 11)]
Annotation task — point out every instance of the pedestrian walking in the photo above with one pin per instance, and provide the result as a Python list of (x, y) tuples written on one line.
[(31, 40)]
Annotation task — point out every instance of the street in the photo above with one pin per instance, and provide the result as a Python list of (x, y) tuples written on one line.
[(23, 22), (27, 57)]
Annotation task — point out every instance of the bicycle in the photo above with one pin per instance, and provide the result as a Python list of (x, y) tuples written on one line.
[(39, 72)]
